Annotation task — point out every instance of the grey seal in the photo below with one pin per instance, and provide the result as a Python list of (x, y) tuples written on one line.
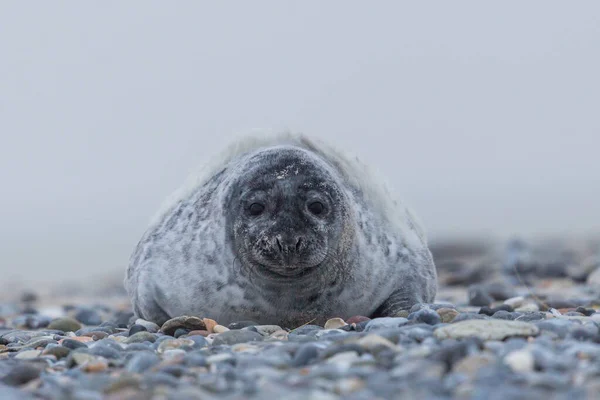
[(281, 230)]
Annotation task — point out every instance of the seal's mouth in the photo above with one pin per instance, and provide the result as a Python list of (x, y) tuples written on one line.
[(288, 273)]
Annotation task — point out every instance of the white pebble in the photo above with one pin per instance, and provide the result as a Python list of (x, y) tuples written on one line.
[(520, 360), (515, 302)]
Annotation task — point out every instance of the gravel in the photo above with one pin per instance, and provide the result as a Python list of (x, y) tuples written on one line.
[(488, 336)]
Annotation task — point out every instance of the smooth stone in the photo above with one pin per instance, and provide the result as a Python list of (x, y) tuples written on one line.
[(469, 316), (236, 336), (95, 329), (528, 307), (172, 344), (305, 330), (21, 374), (141, 362), (186, 322), (210, 324), (180, 332), (472, 364), (515, 302), (558, 326), (88, 317), (501, 314), (73, 344), (520, 360), (143, 336), (532, 316), (491, 329), (447, 315), (267, 330), (105, 351), (199, 341), (135, 328), (57, 351), (334, 323), (80, 358), (305, 354), (195, 359), (241, 324), (65, 324), (373, 341), (28, 354), (426, 316), (220, 329), (149, 325), (386, 322), (479, 297)]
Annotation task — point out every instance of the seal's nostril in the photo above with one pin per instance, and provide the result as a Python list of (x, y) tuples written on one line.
[(279, 245), (298, 244)]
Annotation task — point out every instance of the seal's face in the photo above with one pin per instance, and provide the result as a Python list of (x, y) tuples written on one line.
[(286, 214)]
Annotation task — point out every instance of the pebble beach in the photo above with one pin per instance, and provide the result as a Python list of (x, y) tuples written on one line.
[(512, 320)]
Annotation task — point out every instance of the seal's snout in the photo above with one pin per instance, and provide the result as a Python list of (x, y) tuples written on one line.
[(288, 245)]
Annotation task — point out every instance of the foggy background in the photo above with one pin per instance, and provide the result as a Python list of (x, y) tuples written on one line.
[(483, 117)]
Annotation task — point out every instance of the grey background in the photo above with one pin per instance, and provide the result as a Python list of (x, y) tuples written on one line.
[(483, 116)]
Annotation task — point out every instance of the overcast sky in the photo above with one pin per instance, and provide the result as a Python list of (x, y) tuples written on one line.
[(484, 117)]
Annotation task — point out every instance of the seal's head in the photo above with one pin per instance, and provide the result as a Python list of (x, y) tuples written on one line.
[(286, 214)]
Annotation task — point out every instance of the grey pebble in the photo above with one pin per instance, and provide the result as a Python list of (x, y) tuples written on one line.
[(142, 361), (236, 336)]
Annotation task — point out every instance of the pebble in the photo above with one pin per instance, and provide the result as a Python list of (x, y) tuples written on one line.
[(57, 351), (236, 336), (486, 329), (305, 354), (65, 324), (335, 323), (136, 328), (185, 322), (425, 315), (447, 315), (512, 347), (479, 297), (382, 323), (520, 360), (150, 326), (21, 374), (88, 317), (28, 354), (142, 361), (220, 329)]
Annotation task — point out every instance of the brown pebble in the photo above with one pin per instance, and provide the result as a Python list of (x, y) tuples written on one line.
[(82, 339), (210, 324), (95, 366), (447, 314), (186, 322)]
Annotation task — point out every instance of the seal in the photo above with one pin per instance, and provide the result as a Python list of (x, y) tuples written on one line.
[(281, 230)]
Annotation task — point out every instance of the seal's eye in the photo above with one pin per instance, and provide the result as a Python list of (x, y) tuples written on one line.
[(316, 207), (256, 209)]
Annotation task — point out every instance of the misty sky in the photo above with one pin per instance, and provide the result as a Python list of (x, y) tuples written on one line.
[(484, 117)]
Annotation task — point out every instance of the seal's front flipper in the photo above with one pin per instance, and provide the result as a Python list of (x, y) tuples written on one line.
[(397, 302)]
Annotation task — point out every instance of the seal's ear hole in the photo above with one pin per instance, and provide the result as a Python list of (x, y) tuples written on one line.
[(316, 207), (256, 209)]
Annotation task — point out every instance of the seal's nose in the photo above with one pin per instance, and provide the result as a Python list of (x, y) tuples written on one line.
[(289, 244)]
